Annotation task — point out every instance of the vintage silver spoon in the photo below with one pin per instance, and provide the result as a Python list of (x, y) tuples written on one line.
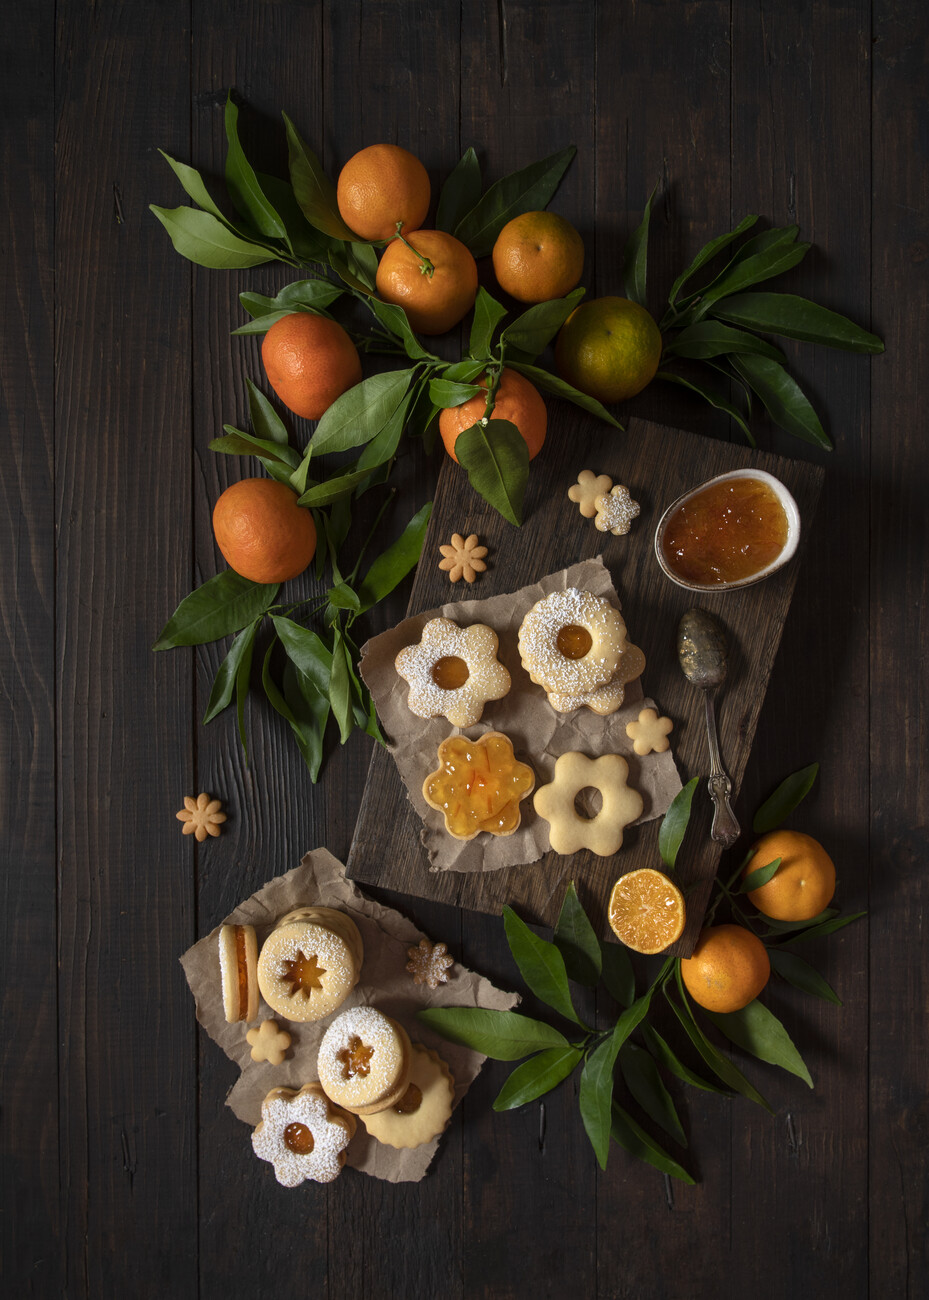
[(701, 650)]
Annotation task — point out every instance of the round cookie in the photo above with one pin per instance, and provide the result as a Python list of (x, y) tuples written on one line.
[(306, 970), (453, 671), (364, 1061), (339, 922), (303, 1135), (238, 967), (568, 830), (423, 1112), (571, 641)]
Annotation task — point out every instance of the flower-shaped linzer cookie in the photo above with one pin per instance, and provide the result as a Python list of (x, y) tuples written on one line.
[(303, 1135), (585, 491), (429, 963), (464, 558), (268, 1042), (649, 733), (453, 671), (603, 833), (616, 511), (478, 785), (202, 816)]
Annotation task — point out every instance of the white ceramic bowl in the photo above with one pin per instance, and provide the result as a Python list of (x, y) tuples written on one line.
[(790, 545)]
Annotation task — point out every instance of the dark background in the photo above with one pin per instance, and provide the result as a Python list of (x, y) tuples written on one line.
[(123, 1173)]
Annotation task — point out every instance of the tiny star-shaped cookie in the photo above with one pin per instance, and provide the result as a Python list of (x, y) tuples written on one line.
[(201, 816), (429, 963), (649, 733), (464, 558), (616, 511), (585, 491), (268, 1042)]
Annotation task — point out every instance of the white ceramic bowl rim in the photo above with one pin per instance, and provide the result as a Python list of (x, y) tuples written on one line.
[(788, 504)]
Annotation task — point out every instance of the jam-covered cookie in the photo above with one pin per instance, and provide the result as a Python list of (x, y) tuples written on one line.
[(478, 785), (571, 641), (423, 1112), (303, 1135), (364, 1061), (307, 968), (453, 671)]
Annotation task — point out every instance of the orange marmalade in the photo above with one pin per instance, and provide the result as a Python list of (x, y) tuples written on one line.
[(726, 532)]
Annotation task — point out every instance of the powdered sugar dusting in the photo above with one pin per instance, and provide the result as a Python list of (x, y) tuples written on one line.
[(334, 957), (477, 647), (331, 1135), (538, 646), (386, 1064)]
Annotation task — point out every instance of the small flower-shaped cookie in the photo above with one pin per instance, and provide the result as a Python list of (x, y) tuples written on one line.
[(303, 1135), (649, 733), (201, 816), (268, 1042), (616, 511), (588, 487), (453, 671), (429, 963), (464, 558)]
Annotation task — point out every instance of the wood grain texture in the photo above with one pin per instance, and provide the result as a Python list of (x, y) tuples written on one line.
[(657, 464)]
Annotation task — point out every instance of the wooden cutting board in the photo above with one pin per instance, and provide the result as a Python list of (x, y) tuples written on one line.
[(657, 464)]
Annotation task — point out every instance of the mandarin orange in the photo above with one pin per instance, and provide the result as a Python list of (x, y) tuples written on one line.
[(803, 884), (728, 968), (608, 348), (380, 186), (432, 276), (309, 361), (646, 910), (538, 256), (262, 532), (516, 400)]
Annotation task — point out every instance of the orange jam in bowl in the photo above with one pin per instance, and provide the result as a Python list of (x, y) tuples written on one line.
[(729, 532)]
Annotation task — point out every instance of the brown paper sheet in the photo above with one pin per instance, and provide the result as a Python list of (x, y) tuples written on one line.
[(539, 734), (385, 983)]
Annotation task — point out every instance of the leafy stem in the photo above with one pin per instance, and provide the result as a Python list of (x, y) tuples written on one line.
[(426, 267)]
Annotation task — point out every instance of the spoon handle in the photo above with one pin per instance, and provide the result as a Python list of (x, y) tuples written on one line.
[(725, 828)]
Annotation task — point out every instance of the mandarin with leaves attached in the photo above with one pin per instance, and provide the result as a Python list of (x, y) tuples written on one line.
[(262, 532), (803, 884), (538, 256), (310, 361), (432, 276), (381, 186), (516, 400), (727, 969)]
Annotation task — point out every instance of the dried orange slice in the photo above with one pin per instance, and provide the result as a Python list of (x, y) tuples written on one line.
[(646, 910)]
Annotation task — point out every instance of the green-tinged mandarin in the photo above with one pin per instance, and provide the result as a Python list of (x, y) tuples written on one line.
[(609, 349)]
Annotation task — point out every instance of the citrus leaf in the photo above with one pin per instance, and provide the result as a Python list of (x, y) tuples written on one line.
[(635, 256), (712, 339), (340, 689), (759, 1032), (617, 973), (540, 964), (576, 941), (782, 397), (309, 245), (527, 190), (243, 185), (203, 239), (802, 975), (395, 319), (645, 1085), (796, 318), (496, 459), (501, 1035), (537, 1076), (224, 604), (761, 876), (463, 372), (488, 313), (261, 324), (778, 257), (675, 822), (626, 1133), (359, 414), (827, 927), (666, 1057), (299, 295), (707, 253), (786, 927), (460, 192), (341, 596), (552, 384), (595, 1098), (310, 712), (310, 748), (778, 806), (711, 395), (225, 679), (721, 1066), (314, 191), (306, 651), (266, 423), (323, 494), (532, 332), (194, 188), (392, 566), (444, 393), (279, 461), (381, 448)]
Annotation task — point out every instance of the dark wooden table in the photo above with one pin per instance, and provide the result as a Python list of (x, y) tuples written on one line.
[(122, 1172)]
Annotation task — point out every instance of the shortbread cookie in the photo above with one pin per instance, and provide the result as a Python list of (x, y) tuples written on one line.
[(303, 1135), (364, 1061), (568, 830), (615, 511), (478, 785), (423, 1112), (307, 969), (585, 491), (268, 1042), (238, 965), (605, 699), (649, 733), (339, 922), (453, 671), (571, 641), (463, 557), (429, 963)]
